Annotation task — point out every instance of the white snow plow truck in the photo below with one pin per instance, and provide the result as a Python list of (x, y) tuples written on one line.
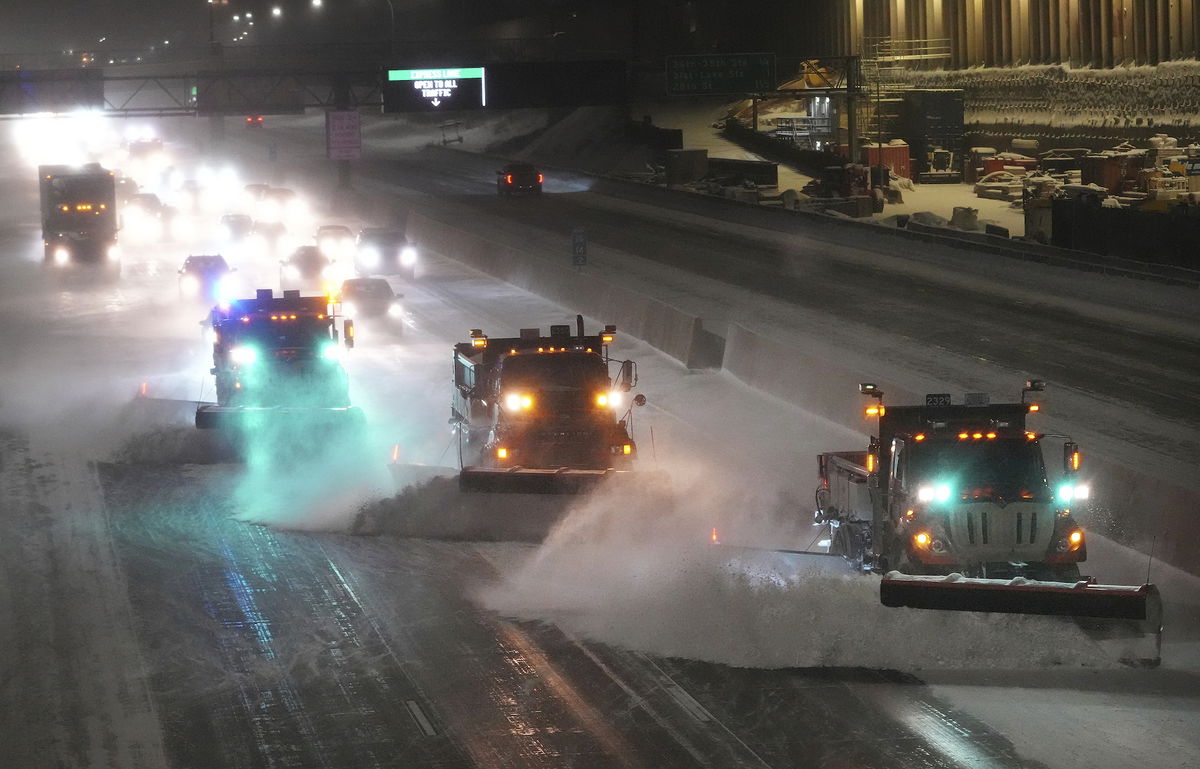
[(951, 503)]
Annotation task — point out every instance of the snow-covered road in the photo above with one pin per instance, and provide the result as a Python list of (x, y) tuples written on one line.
[(179, 636)]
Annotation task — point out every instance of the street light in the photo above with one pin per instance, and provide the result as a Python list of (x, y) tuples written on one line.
[(277, 11), (316, 3)]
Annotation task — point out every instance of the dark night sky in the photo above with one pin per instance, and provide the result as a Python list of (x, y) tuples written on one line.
[(48, 25)]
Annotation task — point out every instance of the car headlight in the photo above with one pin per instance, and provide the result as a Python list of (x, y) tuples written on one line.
[(62, 255), (226, 289), (408, 256), (396, 311), (189, 284), (243, 355), (331, 351), (114, 253), (368, 256)]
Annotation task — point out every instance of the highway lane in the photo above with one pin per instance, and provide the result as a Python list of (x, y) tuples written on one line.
[(1146, 368)]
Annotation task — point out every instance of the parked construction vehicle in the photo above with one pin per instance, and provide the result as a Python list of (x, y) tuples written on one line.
[(277, 359), (951, 502), (79, 215), (539, 414)]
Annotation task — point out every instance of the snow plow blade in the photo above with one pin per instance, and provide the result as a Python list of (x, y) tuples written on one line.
[(249, 419), (1105, 612), (563, 480)]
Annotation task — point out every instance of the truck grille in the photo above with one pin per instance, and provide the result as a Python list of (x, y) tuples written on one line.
[(1019, 529)]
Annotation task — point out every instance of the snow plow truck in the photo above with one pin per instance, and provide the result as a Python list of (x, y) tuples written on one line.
[(542, 414), (277, 363), (951, 503)]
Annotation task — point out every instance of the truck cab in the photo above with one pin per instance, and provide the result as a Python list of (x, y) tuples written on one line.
[(544, 402), (79, 215), (954, 488), (277, 352)]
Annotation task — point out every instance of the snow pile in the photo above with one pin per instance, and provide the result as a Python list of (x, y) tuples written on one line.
[(641, 577)]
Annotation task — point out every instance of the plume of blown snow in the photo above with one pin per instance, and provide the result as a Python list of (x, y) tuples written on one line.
[(635, 572)]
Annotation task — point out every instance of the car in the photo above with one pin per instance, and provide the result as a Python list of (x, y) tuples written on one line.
[(268, 238), (280, 204), (308, 268), (254, 121), (126, 189), (235, 227), (518, 177), (335, 241), (385, 251), (371, 299), (205, 277), (146, 203)]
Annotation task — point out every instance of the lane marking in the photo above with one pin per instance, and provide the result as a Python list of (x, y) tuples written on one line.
[(418, 715)]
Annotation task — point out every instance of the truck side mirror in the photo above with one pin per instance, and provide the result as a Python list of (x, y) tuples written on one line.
[(627, 378), (1070, 457), (348, 332)]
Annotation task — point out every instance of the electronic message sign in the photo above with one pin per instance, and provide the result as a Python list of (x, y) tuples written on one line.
[(721, 73), (435, 89)]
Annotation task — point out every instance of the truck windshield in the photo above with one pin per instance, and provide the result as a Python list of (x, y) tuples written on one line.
[(272, 335), (72, 189), (981, 468), (555, 371)]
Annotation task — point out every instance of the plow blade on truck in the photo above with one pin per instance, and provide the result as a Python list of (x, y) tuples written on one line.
[(1126, 614), (253, 419), (563, 480)]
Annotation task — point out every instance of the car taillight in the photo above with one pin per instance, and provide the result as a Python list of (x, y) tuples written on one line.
[(508, 179), (539, 178)]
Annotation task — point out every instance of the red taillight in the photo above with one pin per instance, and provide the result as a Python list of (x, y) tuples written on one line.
[(508, 179), (539, 178), (260, 119)]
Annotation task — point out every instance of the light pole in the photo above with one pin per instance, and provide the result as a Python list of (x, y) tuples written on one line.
[(391, 31)]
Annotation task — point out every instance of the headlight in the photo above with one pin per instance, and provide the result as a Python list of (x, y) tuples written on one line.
[(189, 284), (243, 355), (408, 256), (331, 351), (518, 401), (226, 289), (368, 256), (396, 311), (1069, 491), (939, 493), (114, 253), (62, 255)]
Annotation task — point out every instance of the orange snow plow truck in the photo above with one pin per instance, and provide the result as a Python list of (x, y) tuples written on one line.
[(542, 414), (951, 504)]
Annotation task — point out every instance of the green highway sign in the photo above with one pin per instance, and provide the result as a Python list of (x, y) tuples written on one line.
[(721, 73), (449, 73)]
